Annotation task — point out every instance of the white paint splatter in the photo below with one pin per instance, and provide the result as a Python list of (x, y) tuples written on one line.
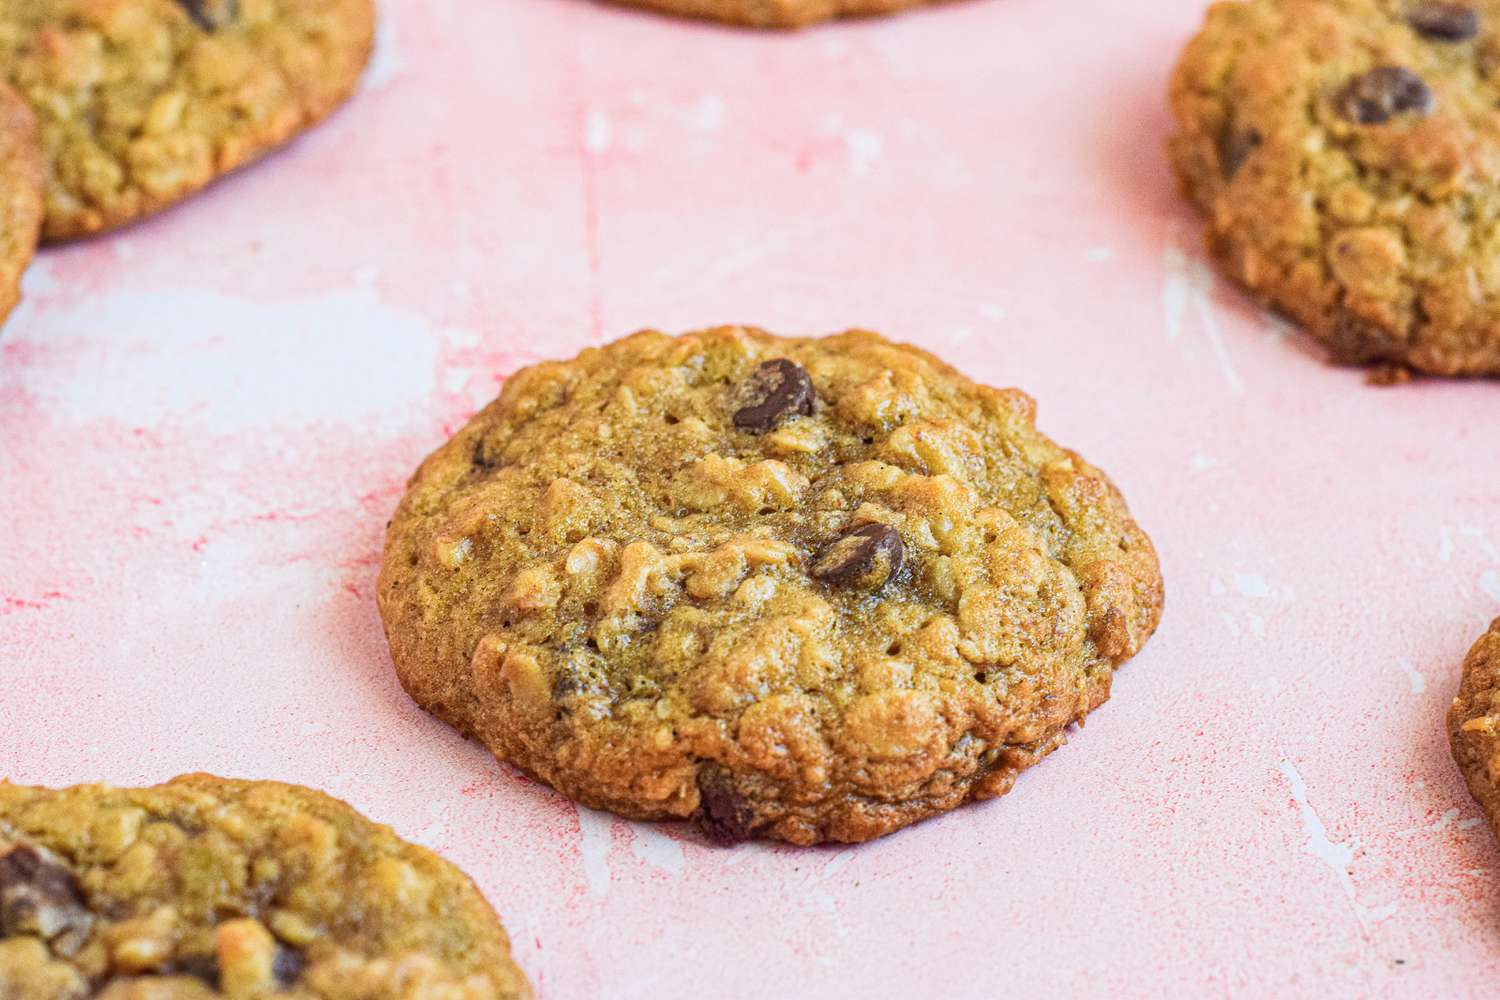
[(1445, 547), (593, 848), (386, 62), (1337, 855), (1216, 587), (1200, 462), (1257, 624), (1097, 255), (656, 849), (708, 114), (865, 147), (1489, 582), (991, 311), (1414, 676), (1252, 585), (962, 334), (1188, 284), (596, 132), (1470, 823)]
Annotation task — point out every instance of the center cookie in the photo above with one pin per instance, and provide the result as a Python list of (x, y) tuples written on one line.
[(1347, 153), (20, 195), (143, 102), (811, 589)]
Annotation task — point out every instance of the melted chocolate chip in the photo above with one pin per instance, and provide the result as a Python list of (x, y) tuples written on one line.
[(724, 816), (211, 15), (1375, 97), (1444, 22), (40, 897), (288, 964), (780, 389), (866, 556), (1235, 148)]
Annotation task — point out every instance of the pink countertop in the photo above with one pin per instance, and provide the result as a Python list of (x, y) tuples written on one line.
[(205, 421)]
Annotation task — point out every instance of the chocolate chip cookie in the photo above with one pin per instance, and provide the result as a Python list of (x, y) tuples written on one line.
[(207, 887), (1474, 723), (1347, 154), (776, 13), (143, 102), (20, 195), (808, 589)]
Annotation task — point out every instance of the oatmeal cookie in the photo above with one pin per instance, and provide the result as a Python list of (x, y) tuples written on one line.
[(776, 13), (208, 887), (1347, 155), (143, 102), (809, 589), (20, 195), (1474, 723)]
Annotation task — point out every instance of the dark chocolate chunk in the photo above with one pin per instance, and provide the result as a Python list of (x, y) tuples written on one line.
[(40, 897), (723, 815), (1235, 148), (866, 556), (1375, 97), (1444, 22), (779, 389), (211, 15)]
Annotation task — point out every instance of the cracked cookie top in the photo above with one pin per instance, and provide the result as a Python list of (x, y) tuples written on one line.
[(20, 194), (1347, 153), (1474, 723), (143, 102), (208, 887), (810, 589)]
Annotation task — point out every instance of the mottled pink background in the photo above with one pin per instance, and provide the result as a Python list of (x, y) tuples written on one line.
[(205, 421)]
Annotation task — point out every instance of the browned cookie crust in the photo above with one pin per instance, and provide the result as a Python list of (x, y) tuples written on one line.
[(1474, 723), (1347, 153), (143, 102), (776, 13), (20, 195), (811, 589), (207, 887)]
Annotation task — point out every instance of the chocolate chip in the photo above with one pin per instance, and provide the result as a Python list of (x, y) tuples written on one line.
[(40, 897), (1235, 148), (723, 815), (211, 15), (780, 389), (1444, 22), (1374, 97), (288, 964), (866, 556)]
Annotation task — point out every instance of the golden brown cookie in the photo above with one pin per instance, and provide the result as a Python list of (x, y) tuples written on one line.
[(776, 13), (143, 102), (1474, 723), (1347, 154), (209, 887), (20, 195), (810, 589)]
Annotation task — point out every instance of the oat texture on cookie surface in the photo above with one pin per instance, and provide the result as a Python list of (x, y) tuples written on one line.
[(809, 589)]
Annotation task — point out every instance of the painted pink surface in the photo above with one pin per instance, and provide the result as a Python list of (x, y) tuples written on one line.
[(205, 421)]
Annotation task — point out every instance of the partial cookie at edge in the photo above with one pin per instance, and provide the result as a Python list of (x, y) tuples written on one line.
[(801, 588), (206, 887), (144, 102), (1474, 723), (1347, 155), (20, 195)]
